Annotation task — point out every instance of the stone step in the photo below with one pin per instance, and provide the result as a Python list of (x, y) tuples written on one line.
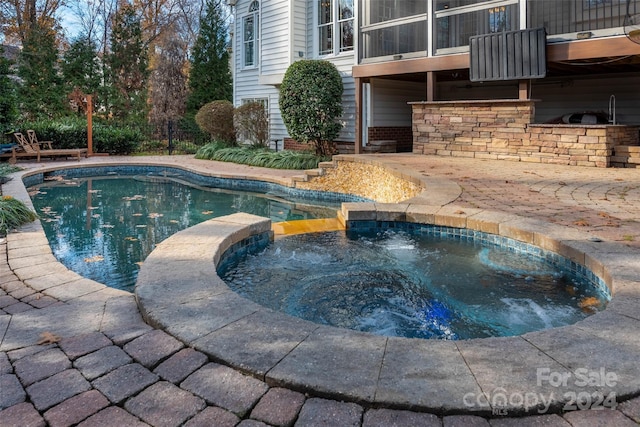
[(314, 172), (381, 146), (327, 165)]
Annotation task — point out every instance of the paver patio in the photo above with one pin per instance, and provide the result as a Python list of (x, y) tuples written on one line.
[(102, 365)]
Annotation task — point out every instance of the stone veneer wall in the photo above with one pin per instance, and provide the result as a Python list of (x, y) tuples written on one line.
[(502, 130)]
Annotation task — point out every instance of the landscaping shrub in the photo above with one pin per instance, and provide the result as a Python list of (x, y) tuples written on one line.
[(107, 139), (252, 124), (72, 133), (311, 103), (262, 157), (13, 213), (216, 119)]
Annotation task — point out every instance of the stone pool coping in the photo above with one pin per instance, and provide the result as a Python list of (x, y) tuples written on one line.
[(179, 291), (444, 377)]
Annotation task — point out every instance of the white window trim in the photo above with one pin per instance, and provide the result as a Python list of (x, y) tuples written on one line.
[(256, 37), (335, 28)]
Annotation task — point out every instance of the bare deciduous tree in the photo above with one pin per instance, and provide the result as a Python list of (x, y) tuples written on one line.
[(168, 81)]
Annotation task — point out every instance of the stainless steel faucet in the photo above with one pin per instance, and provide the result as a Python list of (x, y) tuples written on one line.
[(612, 109)]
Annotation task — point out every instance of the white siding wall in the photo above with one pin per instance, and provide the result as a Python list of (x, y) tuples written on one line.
[(280, 44), (300, 33), (389, 101), (273, 59), (274, 28), (344, 63)]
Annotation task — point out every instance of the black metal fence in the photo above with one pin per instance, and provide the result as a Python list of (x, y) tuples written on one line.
[(559, 17)]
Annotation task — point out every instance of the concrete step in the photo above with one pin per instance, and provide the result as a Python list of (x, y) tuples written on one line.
[(381, 146), (314, 172)]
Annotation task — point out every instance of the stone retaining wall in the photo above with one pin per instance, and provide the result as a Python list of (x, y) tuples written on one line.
[(502, 130)]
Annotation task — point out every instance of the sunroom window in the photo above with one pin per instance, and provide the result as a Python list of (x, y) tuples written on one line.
[(250, 39), (335, 26), (391, 27), (457, 20)]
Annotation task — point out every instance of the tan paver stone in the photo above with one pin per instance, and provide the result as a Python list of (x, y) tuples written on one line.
[(533, 421), (395, 418), (152, 347), (332, 360), (29, 251), (76, 409), (323, 412), (213, 415), (74, 289), (112, 416), (598, 418), (222, 386), (631, 408), (430, 375), (41, 365), (56, 389), (279, 407), (20, 415), (11, 391), (124, 382), (464, 421), (164, 405), (44, 282)]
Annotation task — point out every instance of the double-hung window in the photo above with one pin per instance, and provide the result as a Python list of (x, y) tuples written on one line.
[(335, 26), (250, 38)]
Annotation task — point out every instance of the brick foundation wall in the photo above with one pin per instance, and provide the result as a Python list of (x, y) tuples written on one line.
[(292, 144), (502, 130), (403, 135)]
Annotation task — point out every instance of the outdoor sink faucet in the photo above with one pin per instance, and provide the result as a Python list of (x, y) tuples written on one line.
[(612, 109)]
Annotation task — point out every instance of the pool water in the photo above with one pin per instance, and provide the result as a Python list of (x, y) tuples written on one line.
[(104, 227), (397, 284)]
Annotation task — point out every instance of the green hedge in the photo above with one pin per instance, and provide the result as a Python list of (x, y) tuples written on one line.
[(72, 133)]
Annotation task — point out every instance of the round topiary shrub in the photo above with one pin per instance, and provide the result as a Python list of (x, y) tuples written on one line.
[(311, 103), (216, 119)]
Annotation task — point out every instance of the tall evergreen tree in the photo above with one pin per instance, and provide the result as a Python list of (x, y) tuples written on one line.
[(80, 67), (41, 93), (210, 76), (128, 65), (8, 109)]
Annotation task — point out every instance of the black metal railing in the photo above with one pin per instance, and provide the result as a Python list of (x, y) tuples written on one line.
[(560, 17)]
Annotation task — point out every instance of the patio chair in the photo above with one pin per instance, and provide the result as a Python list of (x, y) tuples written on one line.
[(27, 149), (33, 140)]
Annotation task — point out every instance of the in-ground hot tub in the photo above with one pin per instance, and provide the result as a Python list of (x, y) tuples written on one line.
[(178, 290)]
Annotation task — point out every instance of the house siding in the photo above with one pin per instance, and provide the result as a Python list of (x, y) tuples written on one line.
[(274, 49), (390, 101), (281, 43)]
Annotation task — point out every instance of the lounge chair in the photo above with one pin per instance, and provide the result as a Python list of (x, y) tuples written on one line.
[(27, 149), (33, 140)]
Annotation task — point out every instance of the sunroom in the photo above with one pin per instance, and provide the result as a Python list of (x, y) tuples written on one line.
[(412, 50)]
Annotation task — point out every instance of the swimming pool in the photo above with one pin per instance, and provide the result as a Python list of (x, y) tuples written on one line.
[(103, 226)]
